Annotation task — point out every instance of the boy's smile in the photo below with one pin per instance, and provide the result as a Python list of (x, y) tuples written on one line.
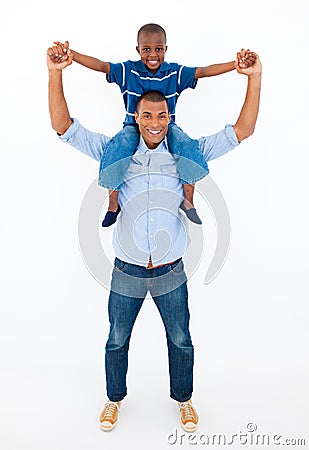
[(151, 48)]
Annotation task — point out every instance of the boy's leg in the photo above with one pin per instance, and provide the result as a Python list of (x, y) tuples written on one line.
[(191, 166), (191, 163), (113, 210), (188, 205), (116, 157), (113, 201), (188, 191), (113, 166)]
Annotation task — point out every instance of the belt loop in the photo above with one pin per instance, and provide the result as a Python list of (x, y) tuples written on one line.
[(150, 265)]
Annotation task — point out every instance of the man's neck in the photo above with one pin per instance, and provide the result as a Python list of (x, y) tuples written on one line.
[(145, 145)]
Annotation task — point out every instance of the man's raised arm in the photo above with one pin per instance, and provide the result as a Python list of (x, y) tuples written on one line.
[(246, 121), (58, 109)]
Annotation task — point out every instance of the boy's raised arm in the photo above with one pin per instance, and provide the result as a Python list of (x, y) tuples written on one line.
[(214, 69), (88, 61), (245, 57)]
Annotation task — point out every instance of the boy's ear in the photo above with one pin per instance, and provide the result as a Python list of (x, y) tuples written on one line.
[(137, 49), (136, 117)]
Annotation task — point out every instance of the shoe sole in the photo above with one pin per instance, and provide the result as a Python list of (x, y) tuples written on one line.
[(189, 429), (105, 428)]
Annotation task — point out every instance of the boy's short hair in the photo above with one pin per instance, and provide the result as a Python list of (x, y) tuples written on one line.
[(151, 96), (151, 28)]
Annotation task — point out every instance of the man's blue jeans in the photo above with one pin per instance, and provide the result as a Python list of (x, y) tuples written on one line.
[(174, 311)]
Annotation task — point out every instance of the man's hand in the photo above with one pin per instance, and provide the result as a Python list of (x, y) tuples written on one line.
[(249, 64), (59, 56), (246, 58), (59, 52)]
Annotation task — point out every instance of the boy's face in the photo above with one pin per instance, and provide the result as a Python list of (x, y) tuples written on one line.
[(152, 119), (151, 48)]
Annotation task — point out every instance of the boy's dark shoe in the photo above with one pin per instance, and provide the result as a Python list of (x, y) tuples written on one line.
[(191, 214), (110, 217)]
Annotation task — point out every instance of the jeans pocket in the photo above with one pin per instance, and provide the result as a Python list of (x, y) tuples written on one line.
[(119, 265), (177, 268)]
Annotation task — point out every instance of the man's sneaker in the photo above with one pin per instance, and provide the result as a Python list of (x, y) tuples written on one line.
[(188, 416), (109, 415)]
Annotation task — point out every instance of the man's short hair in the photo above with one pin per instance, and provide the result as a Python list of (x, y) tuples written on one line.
[(151, 96), (150, 28)]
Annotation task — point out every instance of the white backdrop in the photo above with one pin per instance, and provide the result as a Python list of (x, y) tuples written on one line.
[(250, 327)]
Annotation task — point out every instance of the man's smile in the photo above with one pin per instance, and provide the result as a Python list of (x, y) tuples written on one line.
[(153, 131)]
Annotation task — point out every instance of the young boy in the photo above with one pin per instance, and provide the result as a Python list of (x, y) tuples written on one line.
[(134, 78)]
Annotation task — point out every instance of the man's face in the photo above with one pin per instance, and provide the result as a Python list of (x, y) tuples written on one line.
[(153, 119), (151, 48)]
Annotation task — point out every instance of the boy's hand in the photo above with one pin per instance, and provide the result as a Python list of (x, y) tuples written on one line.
[(253, 69), (59, 52), (246, 58), (55, 61)]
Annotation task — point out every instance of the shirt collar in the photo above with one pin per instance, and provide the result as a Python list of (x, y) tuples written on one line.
[(142, 147), (140, 66)]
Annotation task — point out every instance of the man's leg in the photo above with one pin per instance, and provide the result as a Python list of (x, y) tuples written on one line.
[(122, 311), (173, 308), (128, 290)]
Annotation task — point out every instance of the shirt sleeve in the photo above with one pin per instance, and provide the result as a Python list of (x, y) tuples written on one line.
[(218, 144), (186, 78), (116, 74), (88, 142)]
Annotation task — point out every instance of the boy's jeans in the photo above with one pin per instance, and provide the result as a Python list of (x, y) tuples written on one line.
[(173, 308), (116, 157)]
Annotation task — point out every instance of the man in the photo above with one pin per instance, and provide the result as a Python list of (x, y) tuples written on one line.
[(151, 236)]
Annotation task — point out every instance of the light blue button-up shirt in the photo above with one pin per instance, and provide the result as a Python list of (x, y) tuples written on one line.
[(150, 223)]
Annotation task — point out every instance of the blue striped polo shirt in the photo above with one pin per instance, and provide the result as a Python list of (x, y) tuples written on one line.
[(133, 79)]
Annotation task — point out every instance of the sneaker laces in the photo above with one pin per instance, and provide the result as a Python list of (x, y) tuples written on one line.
[(110, 409), (188, 410)]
